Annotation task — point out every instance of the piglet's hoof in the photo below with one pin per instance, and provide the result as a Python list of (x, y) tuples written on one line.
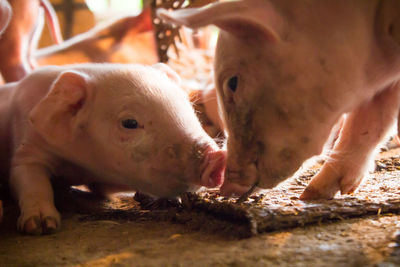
[(49, 225), (35, 226), (32, 226)]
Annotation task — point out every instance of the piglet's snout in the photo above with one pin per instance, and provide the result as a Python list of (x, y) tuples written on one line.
[(213, 173)]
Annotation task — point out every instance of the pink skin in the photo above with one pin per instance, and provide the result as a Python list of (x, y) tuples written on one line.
[(208, 98), (67, 123), (5, 15), (19, 40), (295, 78), (52, 19)]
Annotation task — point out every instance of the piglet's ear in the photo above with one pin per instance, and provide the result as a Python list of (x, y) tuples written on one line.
[(60, 115), (244, 19), (167, 70)]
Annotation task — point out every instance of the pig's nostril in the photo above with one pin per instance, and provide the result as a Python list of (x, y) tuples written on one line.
[(217, 176), (213, 174)]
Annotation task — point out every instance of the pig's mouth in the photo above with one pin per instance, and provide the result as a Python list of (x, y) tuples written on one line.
[(247, 194), (242, 183), (246, 179)]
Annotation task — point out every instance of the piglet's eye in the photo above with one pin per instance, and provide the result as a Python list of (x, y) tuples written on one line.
[(233, 83), (130, 124)]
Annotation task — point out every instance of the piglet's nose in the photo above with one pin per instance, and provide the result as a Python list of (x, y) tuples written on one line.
[(213, 174)]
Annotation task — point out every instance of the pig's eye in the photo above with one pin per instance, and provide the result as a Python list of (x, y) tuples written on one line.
[(130, 124), (233, 83)]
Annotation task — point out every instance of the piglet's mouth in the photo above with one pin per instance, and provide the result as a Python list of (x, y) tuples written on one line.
[(213, 174)]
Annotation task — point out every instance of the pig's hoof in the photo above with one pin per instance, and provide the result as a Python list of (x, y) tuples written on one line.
[(39, 224), (49, 225), (311, 193), (348, 186), (32, 226), (326, 184), (35, 226)]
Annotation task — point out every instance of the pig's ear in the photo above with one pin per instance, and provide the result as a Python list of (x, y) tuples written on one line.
[(244, 19), (167, 70), (59, 116)]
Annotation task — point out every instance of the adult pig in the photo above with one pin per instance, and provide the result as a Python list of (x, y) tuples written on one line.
[(113, 127), (287, 70)]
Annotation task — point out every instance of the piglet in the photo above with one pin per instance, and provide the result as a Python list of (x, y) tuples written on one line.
[(113, 127), (286, 71)]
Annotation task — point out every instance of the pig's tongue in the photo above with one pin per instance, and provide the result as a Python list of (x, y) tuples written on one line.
[(213, 174)]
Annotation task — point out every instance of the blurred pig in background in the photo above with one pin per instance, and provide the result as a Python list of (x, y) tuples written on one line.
[(21, 37), (127, 39)]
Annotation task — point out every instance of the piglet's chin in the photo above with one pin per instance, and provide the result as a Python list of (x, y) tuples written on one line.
[(213, 174)]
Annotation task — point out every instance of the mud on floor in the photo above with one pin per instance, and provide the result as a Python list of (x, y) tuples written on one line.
[(354, 242), (208, 229)]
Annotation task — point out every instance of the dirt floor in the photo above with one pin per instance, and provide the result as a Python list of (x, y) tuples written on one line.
[(356, 242), (139, 241)]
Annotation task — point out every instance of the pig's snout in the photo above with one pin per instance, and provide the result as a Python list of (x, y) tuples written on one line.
[(213, 173), (234, 187), (239, 180)]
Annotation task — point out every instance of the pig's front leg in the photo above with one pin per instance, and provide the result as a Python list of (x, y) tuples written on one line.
[(31, 186), (363, 129)]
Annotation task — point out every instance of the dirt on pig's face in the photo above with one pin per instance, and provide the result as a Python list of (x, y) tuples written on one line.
[(144, 134)]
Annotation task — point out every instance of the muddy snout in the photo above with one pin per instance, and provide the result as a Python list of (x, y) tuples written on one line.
[(197, 164), (238, 181)]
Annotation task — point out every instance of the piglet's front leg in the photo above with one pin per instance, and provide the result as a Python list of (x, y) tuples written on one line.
[(363, 129), (32, 188)]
